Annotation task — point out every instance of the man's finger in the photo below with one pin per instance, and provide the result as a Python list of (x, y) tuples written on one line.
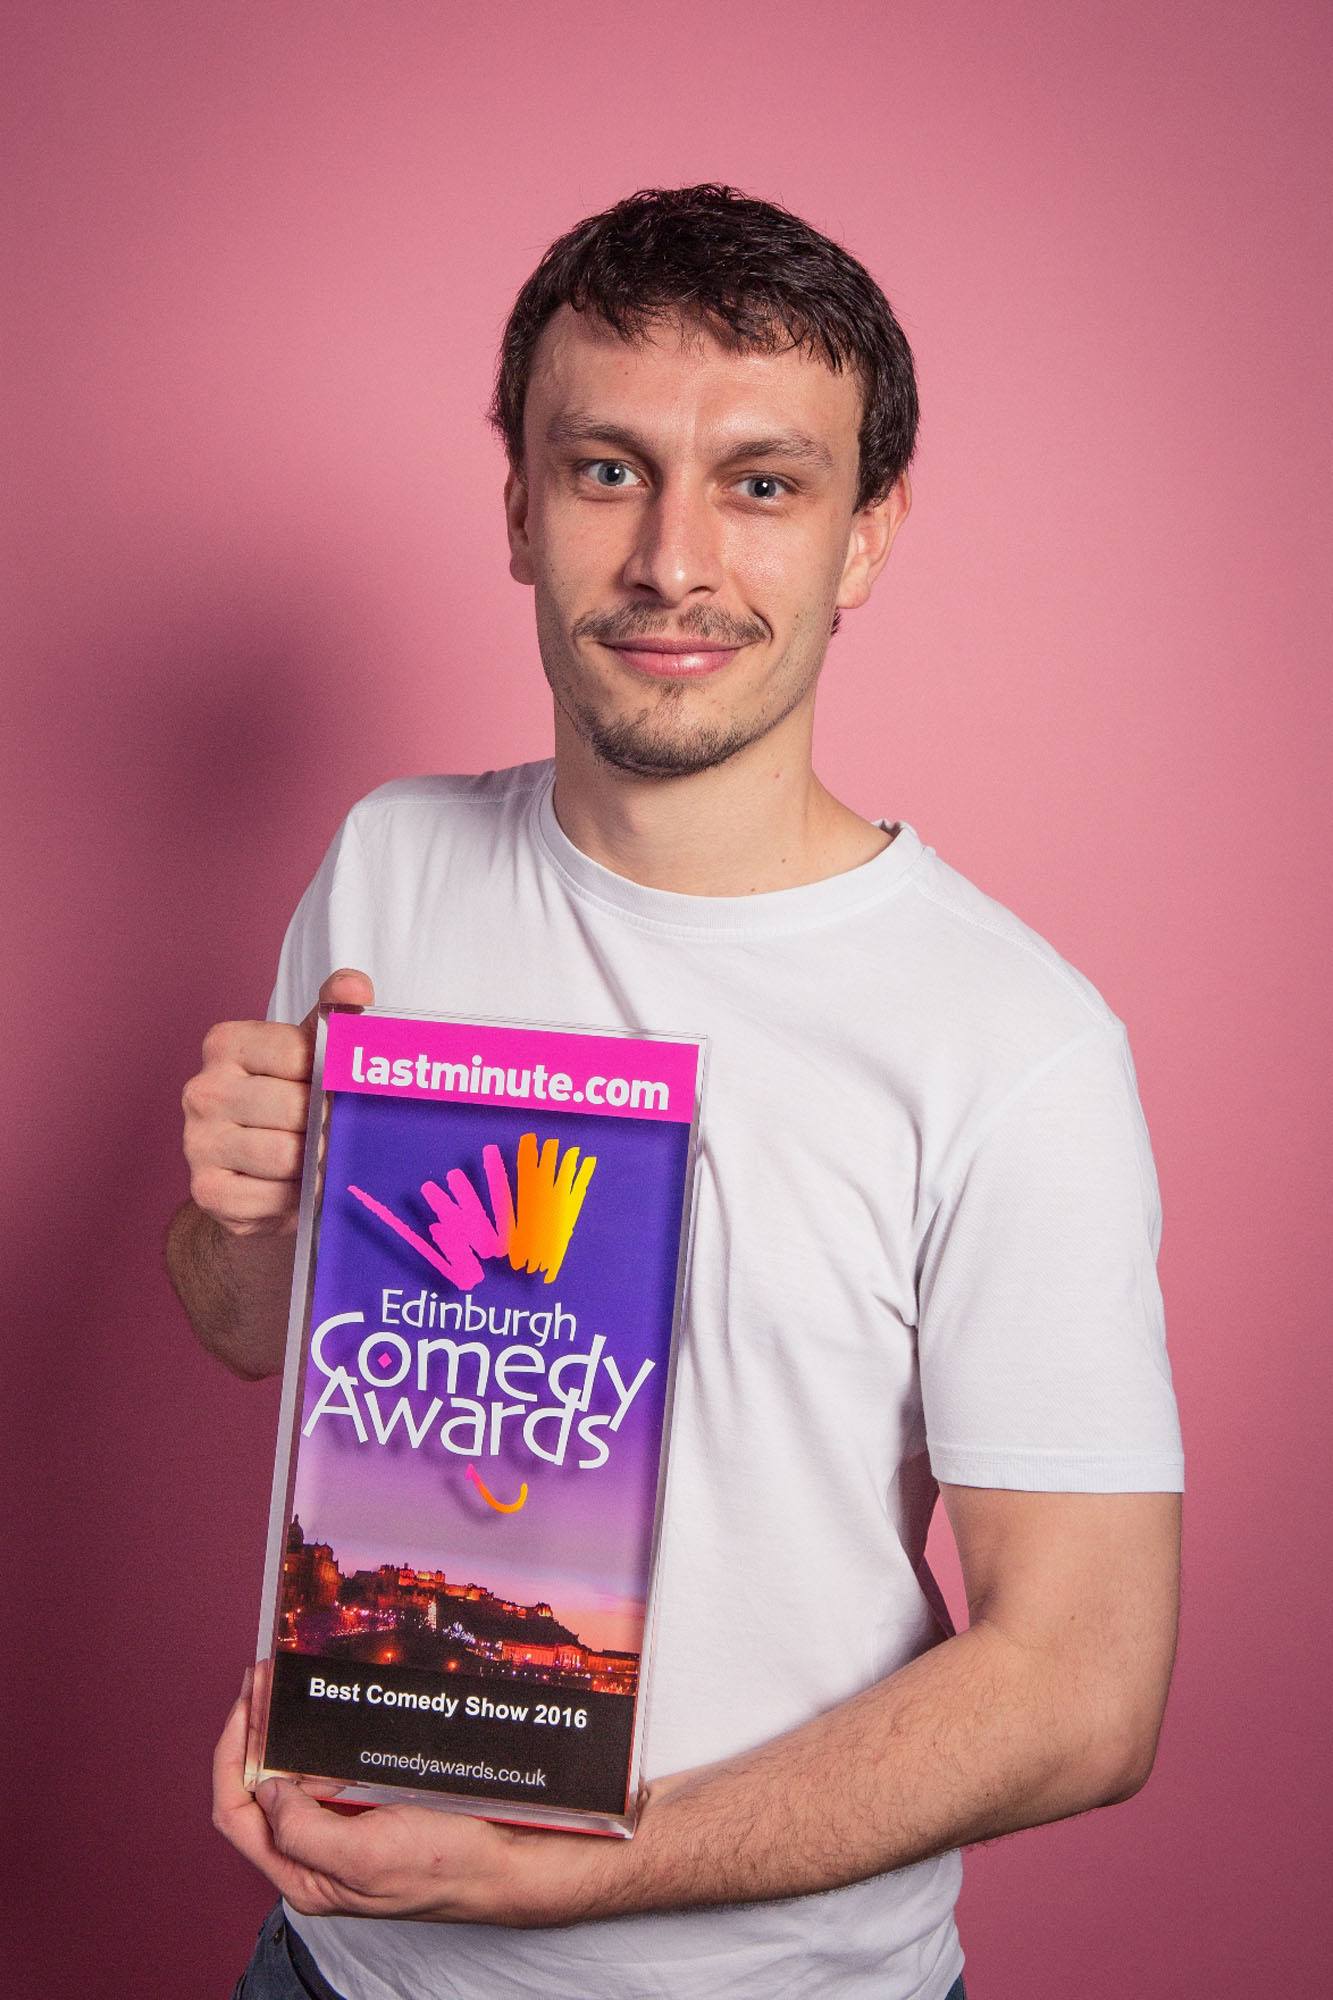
[(269, 1103), (263, 1155), (345, 988), (270, 1048), (238, 1816), (309, 1837), (235, 1812)]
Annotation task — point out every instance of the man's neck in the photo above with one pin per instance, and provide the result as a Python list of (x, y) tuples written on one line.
[(759, 822)]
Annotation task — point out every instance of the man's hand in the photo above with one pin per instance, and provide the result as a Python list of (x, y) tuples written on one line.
[(398, 1860), (245, 1114), (230, 1247)]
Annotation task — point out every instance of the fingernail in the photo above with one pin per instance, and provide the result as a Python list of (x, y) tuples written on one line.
[(247, 1681)]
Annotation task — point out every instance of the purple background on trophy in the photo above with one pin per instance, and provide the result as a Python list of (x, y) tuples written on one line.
[(582, 1539)]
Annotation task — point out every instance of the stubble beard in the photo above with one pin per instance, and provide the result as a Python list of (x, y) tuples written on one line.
[(655, 742), (647, 745)]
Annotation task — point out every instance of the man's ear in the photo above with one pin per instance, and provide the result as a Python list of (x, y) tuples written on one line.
[(868, 545), (516, 518)]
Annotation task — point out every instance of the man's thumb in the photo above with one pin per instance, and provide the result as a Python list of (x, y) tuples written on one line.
[(344, 988)]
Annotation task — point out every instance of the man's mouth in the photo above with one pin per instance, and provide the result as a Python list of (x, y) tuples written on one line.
[(671, 659)]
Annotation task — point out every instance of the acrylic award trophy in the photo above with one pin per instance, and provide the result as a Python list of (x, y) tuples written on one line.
[(467, 1498)]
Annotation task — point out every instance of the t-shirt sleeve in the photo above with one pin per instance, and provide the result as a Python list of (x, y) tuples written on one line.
[(1041, 1335), (327, 930)]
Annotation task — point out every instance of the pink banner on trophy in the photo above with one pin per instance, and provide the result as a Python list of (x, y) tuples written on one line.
[(612, 1076)]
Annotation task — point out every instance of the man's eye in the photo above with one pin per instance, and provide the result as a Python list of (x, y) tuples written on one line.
[(610, 472), (765, 486)]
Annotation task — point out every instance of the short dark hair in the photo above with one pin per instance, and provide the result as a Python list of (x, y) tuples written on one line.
[(754, 274)]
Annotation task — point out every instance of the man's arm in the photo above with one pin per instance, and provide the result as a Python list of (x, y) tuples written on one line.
[(1049, 1704), (235, 1289), (230, 1246)]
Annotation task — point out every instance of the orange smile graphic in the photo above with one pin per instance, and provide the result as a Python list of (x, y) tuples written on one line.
[(500, 1506)]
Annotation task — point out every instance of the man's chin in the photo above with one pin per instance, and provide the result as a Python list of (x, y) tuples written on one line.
[(644, 753)]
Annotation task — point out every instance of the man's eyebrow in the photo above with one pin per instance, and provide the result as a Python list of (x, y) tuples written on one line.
[(579, 427)]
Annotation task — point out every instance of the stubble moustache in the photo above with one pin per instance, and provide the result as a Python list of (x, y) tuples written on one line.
[(653, 742)]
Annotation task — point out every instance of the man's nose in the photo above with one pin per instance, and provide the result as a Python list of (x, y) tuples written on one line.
[(677, 548)]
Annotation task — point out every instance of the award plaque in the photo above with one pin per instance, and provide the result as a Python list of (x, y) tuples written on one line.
[(468, 1493)]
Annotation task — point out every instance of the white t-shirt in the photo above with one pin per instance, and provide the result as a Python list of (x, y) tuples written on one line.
[(925, 1241)]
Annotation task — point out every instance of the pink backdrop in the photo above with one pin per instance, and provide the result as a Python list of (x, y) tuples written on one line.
[(261, 257)]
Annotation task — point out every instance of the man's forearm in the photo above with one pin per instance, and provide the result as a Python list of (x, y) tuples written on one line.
[(980, 1736), (235, 1289)]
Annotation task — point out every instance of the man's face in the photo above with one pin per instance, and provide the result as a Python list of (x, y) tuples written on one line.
[(686, 515)]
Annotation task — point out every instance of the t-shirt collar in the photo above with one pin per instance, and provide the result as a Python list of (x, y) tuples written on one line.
[(768, 913)]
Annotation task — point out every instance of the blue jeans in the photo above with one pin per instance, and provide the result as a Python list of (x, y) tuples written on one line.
[(282, 1968)]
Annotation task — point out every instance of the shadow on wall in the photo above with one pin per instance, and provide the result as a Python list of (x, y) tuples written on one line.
[(172, 805)]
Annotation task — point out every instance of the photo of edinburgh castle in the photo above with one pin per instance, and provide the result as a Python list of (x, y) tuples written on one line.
[(395, 1615)]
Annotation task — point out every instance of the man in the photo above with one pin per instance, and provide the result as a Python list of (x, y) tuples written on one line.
[(926, 1225)]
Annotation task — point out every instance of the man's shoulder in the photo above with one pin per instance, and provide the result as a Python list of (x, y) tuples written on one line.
[(445, 796), (985, 958)]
